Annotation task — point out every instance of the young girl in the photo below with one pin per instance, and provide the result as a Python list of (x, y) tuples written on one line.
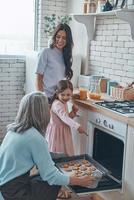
[(58, 132)]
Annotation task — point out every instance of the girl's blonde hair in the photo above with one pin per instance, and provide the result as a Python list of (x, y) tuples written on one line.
[(33, 112)]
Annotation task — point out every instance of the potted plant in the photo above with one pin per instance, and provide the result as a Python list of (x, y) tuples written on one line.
[(53, 20)]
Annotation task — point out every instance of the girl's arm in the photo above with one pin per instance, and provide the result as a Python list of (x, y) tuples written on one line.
[(72, 114), (59, 110)]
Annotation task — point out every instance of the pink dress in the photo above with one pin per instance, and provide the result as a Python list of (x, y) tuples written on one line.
[(58, 134)]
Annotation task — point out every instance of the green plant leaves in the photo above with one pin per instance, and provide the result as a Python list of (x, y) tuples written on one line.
[(52, 21)]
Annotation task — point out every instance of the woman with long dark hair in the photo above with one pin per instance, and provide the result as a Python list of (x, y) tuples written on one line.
[(55, 62)]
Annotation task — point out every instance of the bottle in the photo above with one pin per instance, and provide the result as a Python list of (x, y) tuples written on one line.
[(85, 6), (101, 4), (107, 6), (92, 6)]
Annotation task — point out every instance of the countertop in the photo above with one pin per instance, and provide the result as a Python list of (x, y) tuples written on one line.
[(89, 104)]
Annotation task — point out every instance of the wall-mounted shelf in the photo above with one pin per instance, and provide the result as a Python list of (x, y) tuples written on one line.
[(89, 20)]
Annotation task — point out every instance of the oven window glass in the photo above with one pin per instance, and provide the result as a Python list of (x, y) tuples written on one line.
[(108, 151)]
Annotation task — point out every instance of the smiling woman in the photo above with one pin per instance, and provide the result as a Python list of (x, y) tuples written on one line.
[(17, 26)]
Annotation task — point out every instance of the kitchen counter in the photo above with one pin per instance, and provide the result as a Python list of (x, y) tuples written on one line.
[(89, 104)]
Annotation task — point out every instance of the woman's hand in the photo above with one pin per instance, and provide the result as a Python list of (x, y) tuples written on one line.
[(83, 181)]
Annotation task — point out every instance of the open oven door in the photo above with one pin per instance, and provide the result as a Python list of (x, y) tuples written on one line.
[(107, 183)]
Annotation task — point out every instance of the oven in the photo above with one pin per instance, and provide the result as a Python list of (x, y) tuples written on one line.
[(107, 146)]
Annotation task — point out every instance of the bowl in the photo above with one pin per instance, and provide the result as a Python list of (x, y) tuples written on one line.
[(94, 96)]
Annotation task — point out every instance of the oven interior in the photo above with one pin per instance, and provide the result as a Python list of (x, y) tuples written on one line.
[(108, 151)]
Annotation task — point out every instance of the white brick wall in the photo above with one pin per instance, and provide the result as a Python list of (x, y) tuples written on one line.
[(12, 71), (12, 78), (48, 7), (112, 50)]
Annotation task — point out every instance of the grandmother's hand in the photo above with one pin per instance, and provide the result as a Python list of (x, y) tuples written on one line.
[(82, 181)]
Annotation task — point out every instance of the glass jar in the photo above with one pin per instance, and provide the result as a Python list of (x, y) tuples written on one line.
[(92, 6), (101, 4), (85, 6), (83, 93), (94, 83)]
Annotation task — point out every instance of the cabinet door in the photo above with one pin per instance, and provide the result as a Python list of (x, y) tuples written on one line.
[(80, 140), (129, 169)]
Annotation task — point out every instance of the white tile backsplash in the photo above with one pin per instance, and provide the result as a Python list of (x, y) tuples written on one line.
[(114, 48)]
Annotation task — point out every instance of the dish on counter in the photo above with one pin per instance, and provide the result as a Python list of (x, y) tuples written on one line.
[(95, 96), (85, 94)]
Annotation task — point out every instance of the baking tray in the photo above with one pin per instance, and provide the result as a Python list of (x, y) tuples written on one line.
[(107, 182)]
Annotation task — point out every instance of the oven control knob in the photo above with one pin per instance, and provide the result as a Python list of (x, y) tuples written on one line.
[(111, 126), (98, 121), (105, 123)]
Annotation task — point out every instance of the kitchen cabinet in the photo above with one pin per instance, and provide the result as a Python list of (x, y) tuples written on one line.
[(89, 20), (80, 140), (129, 172)]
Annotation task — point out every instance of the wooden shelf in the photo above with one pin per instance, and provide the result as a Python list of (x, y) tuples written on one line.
[(89, 20)]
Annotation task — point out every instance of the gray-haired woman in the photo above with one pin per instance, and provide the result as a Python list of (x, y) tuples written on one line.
[(24, 147)]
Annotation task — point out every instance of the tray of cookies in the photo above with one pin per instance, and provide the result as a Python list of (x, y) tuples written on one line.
[(80, 168), (83, 165)]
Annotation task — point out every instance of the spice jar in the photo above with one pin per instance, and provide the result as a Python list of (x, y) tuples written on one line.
[(85, 6), (92, 6), (108, 6), (83, 93), (101, 4)]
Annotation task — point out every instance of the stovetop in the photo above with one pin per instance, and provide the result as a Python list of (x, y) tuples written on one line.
[(125, 108)]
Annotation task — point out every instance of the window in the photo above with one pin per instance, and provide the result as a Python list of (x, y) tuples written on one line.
[(16, 26)]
